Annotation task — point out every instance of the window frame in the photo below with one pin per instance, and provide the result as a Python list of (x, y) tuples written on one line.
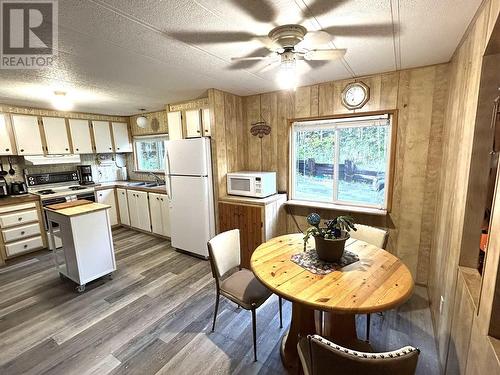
[(342, 205), (137, 138)]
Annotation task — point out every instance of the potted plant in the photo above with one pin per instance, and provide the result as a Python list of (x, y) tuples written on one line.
[(330, 240)]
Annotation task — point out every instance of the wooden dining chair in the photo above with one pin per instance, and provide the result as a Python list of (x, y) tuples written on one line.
[(319, 356), (374, 236), (235, 283)]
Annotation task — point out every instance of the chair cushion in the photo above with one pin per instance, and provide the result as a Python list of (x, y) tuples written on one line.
[(243, 288)]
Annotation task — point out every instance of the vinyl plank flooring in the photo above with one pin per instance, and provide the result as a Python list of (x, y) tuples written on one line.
[(155, 316)]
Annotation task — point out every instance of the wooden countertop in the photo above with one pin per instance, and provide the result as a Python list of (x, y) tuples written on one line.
[(80, 210), (16, 199), (249, 200)]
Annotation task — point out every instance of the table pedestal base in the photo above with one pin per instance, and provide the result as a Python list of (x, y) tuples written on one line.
[(339, 328)]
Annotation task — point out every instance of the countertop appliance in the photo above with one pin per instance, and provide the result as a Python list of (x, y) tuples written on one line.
[(18, 188), (85, 174), (188, 172), (58, 187), (4, 189), (251, 184)]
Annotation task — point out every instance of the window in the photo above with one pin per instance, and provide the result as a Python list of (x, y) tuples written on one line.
[(343, 161), (150, 153)]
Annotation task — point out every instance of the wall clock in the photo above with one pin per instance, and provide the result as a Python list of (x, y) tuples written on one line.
[(355, 95)]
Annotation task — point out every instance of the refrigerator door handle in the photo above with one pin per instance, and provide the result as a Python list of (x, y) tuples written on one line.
[(168, 181)]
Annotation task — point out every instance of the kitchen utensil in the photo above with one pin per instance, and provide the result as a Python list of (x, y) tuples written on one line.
[(18, 188), (12, 171), (2, 172)]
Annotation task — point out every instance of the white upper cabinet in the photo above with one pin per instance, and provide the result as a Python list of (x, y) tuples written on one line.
[(102, 137), (174, 121), (27, 134), (6, 147), (121, 137), (206, 122), (193, 123), (56, 135), (80, 136)]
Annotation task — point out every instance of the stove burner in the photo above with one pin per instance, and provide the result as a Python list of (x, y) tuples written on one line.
[(77, 187), (45, 192)]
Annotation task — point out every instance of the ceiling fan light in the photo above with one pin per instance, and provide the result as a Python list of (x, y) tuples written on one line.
[(287, 76)]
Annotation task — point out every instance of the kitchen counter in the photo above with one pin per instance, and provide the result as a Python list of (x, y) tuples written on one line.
[(126, 185), (80, 210), (16, 199), (249, 200)]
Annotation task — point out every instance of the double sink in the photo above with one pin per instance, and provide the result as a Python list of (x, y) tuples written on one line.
[(145, 184)]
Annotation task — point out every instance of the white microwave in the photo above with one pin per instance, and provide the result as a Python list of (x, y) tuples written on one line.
[(251, 184)]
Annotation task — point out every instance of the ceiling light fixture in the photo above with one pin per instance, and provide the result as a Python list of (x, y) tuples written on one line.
[(142, 121), (287, 75), (61, 102)]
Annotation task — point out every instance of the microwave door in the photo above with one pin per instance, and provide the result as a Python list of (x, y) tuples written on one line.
[(242, 186)]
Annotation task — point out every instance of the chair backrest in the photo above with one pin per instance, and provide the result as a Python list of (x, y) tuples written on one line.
[(372, 235), (325, 356), (224, 252)]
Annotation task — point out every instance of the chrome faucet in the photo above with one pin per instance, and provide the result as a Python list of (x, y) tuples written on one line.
[(159, 180)]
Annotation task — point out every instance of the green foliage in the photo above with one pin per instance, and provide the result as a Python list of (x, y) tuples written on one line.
[(333, 228)]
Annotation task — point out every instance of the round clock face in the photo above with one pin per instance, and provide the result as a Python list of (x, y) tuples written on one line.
[(355, 95)]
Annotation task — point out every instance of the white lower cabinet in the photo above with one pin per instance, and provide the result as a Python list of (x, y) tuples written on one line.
[(138, 208), (160, 216), (121, 196), (108, 196)]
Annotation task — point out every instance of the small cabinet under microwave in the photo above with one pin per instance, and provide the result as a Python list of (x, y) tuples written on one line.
[(251, 184)]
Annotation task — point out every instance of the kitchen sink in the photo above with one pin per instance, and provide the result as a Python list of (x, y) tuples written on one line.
[(136, 184), (154, 184)]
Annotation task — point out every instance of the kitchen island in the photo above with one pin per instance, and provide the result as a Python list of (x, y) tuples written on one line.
[(87, 251)]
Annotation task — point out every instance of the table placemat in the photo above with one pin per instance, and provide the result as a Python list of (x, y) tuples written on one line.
[(310, 261)]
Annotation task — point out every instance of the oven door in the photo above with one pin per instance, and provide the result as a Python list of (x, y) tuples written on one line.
[(86, 196)]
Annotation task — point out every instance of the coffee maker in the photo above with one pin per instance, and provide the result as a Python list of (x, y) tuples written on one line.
[(85, 174)]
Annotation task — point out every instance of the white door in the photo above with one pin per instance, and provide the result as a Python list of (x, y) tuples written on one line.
[(102, 137), (193, 123), (142, 209), (132, 208), (123, 206), (155, 212), (174, 122), (121, 137), (165, 214), (80, 136), (56, 135), (188, 157), (206, 122), (27, 134), (5, 140), (108, 197), (191, 223)]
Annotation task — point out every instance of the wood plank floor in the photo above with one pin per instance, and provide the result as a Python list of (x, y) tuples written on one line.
[(154, 317)]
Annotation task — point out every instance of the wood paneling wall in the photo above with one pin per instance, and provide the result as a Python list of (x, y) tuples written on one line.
[(157, 123), (455, 174), (419, 95)]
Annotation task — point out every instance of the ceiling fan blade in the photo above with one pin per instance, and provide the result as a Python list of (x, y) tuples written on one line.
[(212, 37), (315, 39), (259, 10), (254, 58), (324, 54), (367, 30), (269, 67), (267, 42), (320, 7)]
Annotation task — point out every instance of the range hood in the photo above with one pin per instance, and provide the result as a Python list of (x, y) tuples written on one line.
[(52, 159)]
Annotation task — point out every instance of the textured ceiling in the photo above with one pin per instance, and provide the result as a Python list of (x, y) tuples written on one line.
[(116, 56)]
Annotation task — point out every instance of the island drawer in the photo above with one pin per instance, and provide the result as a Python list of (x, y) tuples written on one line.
[(19, 247), (19, 233), (18, 218)]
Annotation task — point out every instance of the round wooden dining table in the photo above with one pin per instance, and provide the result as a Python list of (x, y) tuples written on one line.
[(379, 281)]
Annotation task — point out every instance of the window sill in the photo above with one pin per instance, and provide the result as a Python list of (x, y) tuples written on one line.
[(338, 207)]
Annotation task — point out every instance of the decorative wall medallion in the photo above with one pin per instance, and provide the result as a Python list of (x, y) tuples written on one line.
[(355, 95), (260, 129)]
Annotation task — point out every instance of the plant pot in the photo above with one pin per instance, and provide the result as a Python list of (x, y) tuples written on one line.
[(331, 250)]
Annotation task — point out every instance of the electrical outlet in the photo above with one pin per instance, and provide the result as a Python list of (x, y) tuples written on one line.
[(441, 304)]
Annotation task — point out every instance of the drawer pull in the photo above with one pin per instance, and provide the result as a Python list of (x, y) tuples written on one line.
[(7, 149), (25, 246), (22, 233), (19, 218)]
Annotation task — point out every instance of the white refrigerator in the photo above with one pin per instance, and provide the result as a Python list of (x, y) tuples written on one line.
[(188, 176)]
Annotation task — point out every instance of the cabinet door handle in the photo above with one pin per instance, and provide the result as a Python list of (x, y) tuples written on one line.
[(6, 149), (22, 150), (118, 148), (157, 198), (110, 148), (77, 149)]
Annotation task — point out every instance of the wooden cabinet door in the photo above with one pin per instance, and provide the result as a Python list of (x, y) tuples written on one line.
[(155, 212), (165, 214), (246, 218), (102, 137), (132, 208), (193, 123), (80, 136), (108, 197), (27, 134), (56, 135), (121, 196), (6, 146), (121, 137), (142, 209), (206, 122), (174, 121)]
